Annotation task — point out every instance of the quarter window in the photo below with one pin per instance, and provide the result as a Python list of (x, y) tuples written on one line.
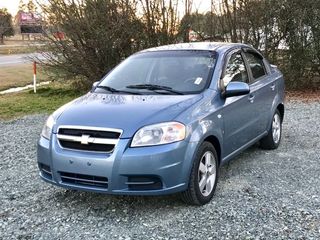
[(235, 70), (256, 65)]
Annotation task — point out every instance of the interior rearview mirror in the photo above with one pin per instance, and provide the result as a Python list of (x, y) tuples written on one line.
[(236, 89)]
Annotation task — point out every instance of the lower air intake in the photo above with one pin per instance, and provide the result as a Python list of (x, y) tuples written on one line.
[(142, 183), (84, 180)]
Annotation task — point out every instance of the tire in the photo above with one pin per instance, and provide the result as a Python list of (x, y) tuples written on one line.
[(204, 173), (272, 140)]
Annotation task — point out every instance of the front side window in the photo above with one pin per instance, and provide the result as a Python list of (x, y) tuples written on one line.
[(187, 72), (256, 65), (235, 70)]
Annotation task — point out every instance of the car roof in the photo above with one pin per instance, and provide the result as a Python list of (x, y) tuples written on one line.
[(209, 46)]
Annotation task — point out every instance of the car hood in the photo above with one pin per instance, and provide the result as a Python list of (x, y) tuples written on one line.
[(126, 112)]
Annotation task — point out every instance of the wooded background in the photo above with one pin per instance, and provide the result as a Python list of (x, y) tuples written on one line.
[(98, 34)]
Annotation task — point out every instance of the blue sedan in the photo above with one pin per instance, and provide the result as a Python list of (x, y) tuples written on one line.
[(164, 120)]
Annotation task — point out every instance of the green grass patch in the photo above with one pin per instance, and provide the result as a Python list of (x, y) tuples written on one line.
[(46, 100), (7, 50), (20, 75)]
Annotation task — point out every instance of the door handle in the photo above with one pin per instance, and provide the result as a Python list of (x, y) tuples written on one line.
[(251, 98), (273, 87)]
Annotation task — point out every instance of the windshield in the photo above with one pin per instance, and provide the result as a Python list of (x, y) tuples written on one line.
[(163, 72)]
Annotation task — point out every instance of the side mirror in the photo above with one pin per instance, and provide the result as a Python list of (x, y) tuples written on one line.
[(236, 89), (94, 85)]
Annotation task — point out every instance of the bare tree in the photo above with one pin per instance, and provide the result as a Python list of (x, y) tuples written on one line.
[(87, 38), (161, 20), (99, 33)]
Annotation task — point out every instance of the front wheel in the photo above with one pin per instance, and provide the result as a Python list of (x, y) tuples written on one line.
[(272, 140), (204, 176)]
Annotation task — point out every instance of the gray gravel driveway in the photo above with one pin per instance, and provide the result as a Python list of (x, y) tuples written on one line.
[(260, 195)]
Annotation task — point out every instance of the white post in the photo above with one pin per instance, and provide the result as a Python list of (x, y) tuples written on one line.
[(34, 77)]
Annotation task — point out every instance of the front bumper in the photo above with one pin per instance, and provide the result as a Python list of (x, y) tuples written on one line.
[(155, 170)]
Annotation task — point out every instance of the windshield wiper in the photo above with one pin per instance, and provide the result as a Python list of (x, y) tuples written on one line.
[(113, 90), (154, 87)]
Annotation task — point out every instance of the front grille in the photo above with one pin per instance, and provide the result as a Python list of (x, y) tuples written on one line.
[(87, 147), (88, 138), (45, 170), (136, 183), (84, 180), (92, 133)]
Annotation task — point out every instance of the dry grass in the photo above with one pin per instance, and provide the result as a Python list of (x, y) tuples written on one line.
[(6, 50), (19, 75), (15, 45), (303, 95)]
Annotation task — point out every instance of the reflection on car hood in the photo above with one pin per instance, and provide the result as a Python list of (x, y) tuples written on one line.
[(126, 112)]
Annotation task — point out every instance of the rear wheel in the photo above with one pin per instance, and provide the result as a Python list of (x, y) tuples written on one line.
[(272, 140), (204, 176)]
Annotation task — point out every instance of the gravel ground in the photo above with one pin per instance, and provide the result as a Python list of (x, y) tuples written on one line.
[(260, 195)]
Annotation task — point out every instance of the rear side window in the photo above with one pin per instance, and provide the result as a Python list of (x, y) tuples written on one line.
[(235, 70), (256, 65)]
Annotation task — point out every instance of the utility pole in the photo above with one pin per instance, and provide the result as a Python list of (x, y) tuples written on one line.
[(188, 7), (212, 25), (186, 15)]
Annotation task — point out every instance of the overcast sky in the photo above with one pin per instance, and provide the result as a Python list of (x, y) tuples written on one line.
[(12, 5)]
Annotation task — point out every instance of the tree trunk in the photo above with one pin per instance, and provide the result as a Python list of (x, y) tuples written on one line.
[(1, 39)]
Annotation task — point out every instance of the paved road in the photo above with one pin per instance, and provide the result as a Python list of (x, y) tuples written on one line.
[(15, 59)]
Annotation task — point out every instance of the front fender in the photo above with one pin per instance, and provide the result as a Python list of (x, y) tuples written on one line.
[(276, 102), (206, 128), (200, 131)]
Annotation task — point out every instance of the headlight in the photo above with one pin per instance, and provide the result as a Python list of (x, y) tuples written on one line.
[(47, 128), (158, 134)]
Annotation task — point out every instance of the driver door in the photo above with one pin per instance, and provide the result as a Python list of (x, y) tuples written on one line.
[(238, 112)]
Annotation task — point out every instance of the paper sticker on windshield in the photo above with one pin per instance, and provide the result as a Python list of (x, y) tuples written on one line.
[(198, 80)]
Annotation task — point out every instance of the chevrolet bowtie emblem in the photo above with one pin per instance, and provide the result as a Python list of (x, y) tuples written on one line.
[(85, 139)]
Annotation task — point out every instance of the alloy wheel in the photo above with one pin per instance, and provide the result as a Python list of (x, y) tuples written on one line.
[(276, 128), (207, 173)]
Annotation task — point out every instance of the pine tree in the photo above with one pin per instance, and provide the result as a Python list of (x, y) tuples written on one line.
[(6, 28), (22, 6), (31, 6)]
